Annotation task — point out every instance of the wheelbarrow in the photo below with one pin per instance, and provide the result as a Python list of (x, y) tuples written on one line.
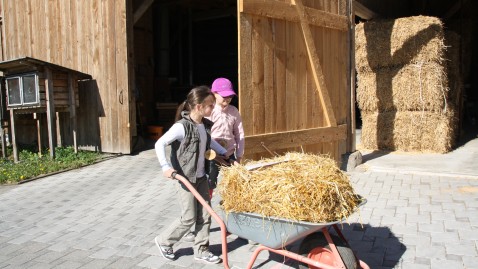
[(318, 249)]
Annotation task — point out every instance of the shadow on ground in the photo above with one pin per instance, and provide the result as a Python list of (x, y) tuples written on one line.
[(373, 155), (376, 246)]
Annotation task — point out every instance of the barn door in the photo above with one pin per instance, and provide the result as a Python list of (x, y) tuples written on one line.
[(294, 75)]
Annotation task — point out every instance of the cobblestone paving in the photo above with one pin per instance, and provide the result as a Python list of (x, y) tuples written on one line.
[(107, 215)]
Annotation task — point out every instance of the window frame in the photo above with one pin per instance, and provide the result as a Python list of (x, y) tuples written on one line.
[(20, 79)]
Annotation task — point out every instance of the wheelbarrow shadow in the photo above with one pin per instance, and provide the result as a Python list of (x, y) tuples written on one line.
[(376, 246)]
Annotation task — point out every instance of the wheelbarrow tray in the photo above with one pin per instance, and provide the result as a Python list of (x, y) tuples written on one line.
[(271, 232)]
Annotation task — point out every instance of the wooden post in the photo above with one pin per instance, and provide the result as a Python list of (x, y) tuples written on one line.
[(59, 139), (50, 111), (352, 132), (37, 117), (72, 101), (2, 136), (14, 140)]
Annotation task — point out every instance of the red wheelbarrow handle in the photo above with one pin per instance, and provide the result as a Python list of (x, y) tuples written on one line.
[(213, 214)]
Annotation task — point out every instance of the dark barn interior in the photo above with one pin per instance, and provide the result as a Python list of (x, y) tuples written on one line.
[(179, 45)]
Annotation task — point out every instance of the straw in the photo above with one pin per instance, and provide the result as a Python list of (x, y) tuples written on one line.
[(300, 187)]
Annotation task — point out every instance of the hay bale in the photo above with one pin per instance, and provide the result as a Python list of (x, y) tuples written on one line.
[(301, 187), (419, 131), (413, 87), (386, 43), (408, 84)]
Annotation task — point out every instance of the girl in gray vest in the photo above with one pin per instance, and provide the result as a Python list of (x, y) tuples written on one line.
[(190, 138)]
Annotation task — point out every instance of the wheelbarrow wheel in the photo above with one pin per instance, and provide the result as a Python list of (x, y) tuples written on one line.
[(316, 247)]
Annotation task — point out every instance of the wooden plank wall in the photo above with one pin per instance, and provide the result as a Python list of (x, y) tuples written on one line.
[(89, 36), (277, 89)]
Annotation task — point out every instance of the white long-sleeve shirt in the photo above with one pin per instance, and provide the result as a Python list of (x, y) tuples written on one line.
[(176, 132)]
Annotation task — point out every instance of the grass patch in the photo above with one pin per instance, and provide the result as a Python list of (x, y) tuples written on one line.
[(31, 165)]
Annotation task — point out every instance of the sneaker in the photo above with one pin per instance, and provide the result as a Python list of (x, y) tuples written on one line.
[(167, 252), (206, 256), (189, 237)]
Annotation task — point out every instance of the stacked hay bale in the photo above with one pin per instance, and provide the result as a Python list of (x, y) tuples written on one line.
[(403, 85), (298, 187)]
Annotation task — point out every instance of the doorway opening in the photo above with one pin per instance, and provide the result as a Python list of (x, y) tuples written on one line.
[(179, 45)]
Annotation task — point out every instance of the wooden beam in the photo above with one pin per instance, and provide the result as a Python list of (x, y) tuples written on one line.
[(2, 138), (3, 35), (37, 118), (315, 65), (285, 11), (363, 12), (351, 130), (283, 140), (72, 104), (141, 10), (50, 111), (12, 135), (59, 138)]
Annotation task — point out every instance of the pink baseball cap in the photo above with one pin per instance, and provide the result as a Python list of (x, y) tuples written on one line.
[(223, 87)]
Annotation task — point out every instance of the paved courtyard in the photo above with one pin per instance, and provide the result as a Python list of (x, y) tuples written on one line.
[(107, 215)]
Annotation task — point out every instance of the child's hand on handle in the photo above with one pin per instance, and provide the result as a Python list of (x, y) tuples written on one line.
[(170, 173), (223, 160), (237, 161)]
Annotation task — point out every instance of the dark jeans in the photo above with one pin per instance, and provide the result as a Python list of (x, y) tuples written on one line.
[(214, 172)]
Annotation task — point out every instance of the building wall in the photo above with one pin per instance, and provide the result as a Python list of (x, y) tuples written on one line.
[(92, 37)]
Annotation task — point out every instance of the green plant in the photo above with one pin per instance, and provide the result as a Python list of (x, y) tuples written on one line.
[(31, 164)]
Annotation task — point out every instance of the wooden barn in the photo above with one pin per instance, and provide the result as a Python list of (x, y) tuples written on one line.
[(291, 61)]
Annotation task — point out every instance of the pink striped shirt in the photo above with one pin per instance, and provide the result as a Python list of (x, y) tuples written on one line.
[(228, 129)]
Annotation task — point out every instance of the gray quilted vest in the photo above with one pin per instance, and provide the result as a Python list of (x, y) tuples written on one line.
[(185, 154)]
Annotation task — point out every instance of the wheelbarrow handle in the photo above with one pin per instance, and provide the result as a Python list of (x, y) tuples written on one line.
[(213, 213)]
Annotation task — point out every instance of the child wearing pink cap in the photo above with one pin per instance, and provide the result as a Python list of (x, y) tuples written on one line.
[(227, 128)]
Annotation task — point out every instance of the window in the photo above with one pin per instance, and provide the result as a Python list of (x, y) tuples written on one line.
[(22, 90)]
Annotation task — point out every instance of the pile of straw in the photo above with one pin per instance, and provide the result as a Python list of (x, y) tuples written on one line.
[(300, 187), (408, 88)]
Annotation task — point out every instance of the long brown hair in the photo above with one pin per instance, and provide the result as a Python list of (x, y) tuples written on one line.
[(195, 97)]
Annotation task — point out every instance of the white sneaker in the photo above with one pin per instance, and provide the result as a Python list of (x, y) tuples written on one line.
[(206, 256), (166, 251)]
